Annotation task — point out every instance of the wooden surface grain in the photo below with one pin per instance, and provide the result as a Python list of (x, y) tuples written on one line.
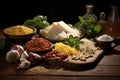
[(108, 68)]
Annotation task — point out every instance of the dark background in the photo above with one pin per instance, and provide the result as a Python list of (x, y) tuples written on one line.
[(17, 11)]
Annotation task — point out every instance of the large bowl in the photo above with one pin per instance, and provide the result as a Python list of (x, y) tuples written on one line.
[(19, 38)]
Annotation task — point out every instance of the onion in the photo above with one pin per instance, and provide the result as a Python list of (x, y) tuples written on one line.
[(34, 58), (17, 47)]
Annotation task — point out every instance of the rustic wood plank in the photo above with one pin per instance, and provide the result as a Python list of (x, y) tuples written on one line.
[(98, 71), (56, 78), (106, 67), (113, 59)]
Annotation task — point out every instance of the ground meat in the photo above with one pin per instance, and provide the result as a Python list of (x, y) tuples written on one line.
[(37, 44)]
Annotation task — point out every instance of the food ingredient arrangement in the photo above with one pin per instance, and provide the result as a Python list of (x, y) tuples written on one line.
[(70, 44)]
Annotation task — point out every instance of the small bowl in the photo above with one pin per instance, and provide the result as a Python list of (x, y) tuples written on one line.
[(104, 44), (20, 38), (30, 44)]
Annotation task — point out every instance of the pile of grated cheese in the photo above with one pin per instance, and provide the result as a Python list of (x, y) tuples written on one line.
[(63, 48)]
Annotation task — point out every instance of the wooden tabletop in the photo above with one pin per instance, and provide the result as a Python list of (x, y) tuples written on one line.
[(108, 68)]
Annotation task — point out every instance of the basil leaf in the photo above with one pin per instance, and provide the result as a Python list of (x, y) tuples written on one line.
[(97, 28), (30, 23), (81, 19), (40, 18)]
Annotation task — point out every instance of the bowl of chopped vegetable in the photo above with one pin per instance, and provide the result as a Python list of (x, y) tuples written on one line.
[(19, 33)]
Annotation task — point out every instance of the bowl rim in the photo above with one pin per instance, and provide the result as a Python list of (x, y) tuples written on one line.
[(42, 51), (109, 41), (34, 31)]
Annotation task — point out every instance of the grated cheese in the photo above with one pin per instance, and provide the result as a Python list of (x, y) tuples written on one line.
[(63, 48)]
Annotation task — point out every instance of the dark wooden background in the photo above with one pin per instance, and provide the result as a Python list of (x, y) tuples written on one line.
[(17, 11)]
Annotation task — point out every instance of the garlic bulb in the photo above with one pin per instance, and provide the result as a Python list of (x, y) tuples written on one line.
[(24, 64), (12, 56)]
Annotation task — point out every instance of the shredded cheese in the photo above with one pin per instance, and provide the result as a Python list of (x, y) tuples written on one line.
[(63, 48)]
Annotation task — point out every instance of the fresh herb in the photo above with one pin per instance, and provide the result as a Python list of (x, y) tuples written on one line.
[(89, 26), (38, 21), (40, 18), (30, 23), (73, 42)]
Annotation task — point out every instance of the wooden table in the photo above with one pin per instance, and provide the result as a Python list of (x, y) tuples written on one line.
[(108, 68)]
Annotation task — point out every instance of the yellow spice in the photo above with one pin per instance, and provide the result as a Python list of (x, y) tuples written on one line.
[(63, 48), (18, 30)]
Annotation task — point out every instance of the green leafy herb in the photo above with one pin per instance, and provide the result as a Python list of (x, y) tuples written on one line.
[(42, 24), (30, 23), (73, 42), (38, 21), (40, 18), (89, 26)]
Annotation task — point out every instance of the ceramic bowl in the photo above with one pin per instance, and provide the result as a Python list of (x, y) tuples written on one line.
[(19, 38), (104, 44)]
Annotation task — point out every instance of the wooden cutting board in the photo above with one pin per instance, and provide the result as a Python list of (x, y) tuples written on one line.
[(77, 64)]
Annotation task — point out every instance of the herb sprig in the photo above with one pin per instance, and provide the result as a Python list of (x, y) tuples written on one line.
[(38, 21), (72, 41), (89, 26)]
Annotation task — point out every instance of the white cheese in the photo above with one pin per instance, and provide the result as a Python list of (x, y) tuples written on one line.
[(62, 35), (65, 27), (59, 31), (87, 43)]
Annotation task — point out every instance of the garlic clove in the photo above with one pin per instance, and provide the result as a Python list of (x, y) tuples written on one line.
[(23, 56), (24, 65)]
